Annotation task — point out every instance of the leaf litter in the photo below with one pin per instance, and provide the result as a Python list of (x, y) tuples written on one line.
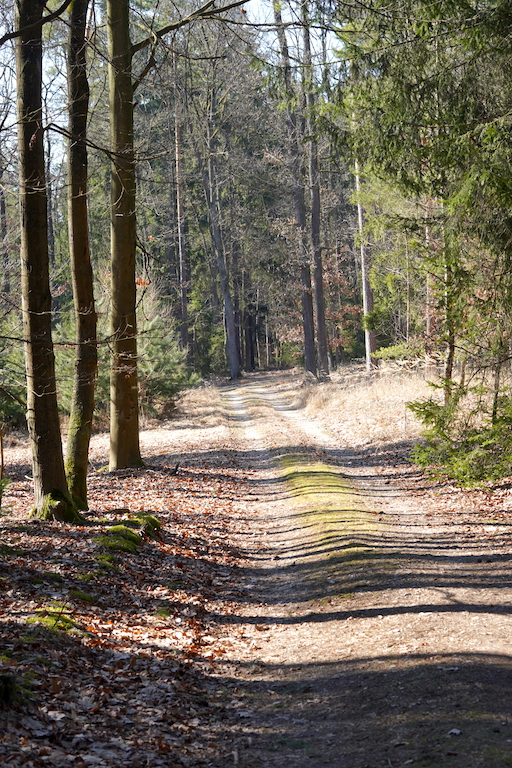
[(114, 654)]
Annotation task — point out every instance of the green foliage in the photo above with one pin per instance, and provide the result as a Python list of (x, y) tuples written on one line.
[(453, 445), (163, 371), (413, 349)]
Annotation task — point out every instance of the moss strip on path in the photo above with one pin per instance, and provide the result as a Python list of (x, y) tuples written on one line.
[(341, 532)]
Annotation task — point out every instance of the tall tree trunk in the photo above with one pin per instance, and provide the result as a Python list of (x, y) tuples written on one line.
[(49, 193), (52, 498), (308, 323), (369, 334), (124, 400), (210, 187), (86, 360), (6, 285), (449, 319), (218, 246), (314, 186), (180, 214)]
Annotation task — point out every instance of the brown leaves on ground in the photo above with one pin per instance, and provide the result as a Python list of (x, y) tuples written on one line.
[(115, 654)]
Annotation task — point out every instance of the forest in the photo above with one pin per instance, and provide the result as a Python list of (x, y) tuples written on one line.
[(204, 190)]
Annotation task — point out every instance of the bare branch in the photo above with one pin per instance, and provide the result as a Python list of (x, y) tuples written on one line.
[(49, 17), (207, 10)]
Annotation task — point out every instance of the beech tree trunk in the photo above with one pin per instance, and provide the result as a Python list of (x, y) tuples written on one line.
[(86, 360), (124, 399), (52, 499), (308, 322)]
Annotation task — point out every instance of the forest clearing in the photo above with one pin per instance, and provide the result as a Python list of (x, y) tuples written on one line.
[(311, 597)]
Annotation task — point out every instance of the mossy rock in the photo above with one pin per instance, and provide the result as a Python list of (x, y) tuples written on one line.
[(149, 525), (125, 532), (120, 538)]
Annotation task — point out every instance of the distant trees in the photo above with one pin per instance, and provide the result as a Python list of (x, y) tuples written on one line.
[(432, 99)]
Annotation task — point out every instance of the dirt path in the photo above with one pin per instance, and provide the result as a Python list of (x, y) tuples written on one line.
[(371, 637)]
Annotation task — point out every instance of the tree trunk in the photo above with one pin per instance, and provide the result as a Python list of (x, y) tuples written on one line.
[(49, 199), (86, 359), (314, 186), (209, 179), (369, 333), (308, 323), (180, 215), (124, 400), (52, 498), (6, 286)]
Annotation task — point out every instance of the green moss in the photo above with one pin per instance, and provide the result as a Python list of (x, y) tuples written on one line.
[(124, 532), (338, 525), (149, 524), (7, 551), (77, 594), (163, 611), (54, 617), (120, 538), (327, 497), (53, 576), (174, 585), (117, 544), (108, 561), (86, 577), (58, 506)]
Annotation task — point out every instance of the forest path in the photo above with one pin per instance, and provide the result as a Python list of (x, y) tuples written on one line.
[(371, 636)]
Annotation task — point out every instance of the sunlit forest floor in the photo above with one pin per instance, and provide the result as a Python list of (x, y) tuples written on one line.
[(312, 598)]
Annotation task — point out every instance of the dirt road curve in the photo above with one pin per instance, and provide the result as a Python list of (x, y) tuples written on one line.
[(371, 637)]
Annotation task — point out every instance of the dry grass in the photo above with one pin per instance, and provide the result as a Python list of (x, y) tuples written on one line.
[(367, 411)]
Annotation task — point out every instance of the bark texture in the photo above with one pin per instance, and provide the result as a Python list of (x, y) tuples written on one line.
[(52, 498), (86, 362), (124, 400)]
